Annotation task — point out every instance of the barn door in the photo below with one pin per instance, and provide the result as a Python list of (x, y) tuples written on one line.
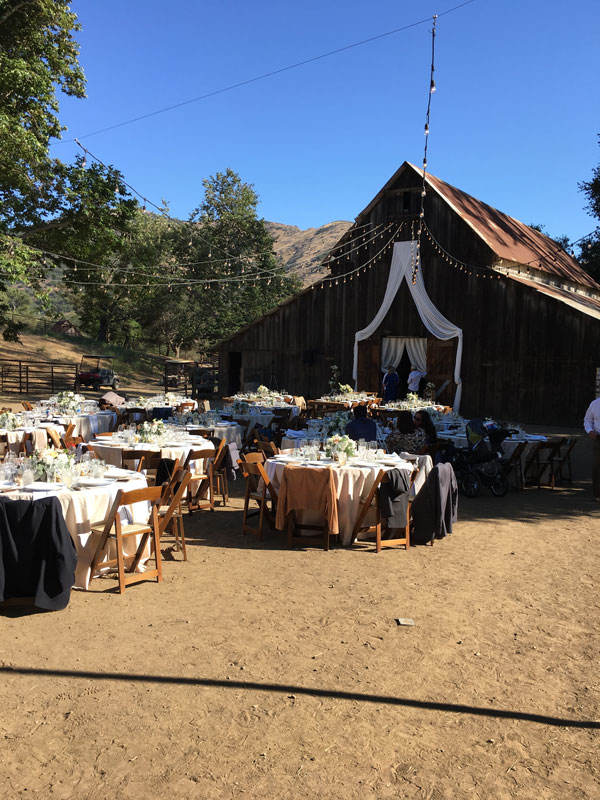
[(369, 375), (441, 357)]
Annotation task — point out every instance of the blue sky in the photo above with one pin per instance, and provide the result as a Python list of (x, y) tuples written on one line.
[(514, 120)]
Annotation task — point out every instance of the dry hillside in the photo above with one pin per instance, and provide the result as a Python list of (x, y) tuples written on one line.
[(303, 250)]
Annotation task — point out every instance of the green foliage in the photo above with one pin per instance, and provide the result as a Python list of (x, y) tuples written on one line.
[(590, 248)]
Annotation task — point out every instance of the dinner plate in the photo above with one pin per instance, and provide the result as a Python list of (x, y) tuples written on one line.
[(41, 486), (91, 482)]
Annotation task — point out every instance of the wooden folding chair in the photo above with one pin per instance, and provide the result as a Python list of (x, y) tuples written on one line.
[(102, 435), (187, 406), (257, 457), (27, 406), (514, 465), (220, 472), (322, 486), (260, 490), (206, 433), (134, 459), (542, 460), (114, 529), (26, 447), (562, 460), (377, 524), (268, 448), (204, 478), (170, 513), (54, 437)]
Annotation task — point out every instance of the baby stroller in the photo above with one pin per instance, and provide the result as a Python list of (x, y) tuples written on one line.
[(479, 464)]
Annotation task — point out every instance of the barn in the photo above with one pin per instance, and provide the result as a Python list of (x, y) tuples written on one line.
[(502, 319)]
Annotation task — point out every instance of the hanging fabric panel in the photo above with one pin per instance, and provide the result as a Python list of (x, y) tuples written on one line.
[(392, 350), (436, 323)]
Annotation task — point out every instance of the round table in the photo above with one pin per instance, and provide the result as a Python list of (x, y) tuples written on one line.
[(352, 481), (90, 506)]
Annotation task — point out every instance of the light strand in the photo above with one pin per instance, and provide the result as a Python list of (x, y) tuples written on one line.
[(432, 87)]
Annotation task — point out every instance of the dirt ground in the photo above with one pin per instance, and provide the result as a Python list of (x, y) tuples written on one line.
[(255, 671)]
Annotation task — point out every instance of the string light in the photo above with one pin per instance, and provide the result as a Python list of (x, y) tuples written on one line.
[(427, 120)]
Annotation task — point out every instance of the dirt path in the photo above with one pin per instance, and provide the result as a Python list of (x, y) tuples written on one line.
[(254, 671)]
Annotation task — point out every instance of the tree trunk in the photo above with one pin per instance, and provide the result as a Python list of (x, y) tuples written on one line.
[(103, 329)]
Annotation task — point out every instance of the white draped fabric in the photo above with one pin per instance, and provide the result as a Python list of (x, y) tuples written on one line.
[(436, 323), (392, 350)]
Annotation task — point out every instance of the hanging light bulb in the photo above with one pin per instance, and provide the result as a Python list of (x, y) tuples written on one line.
[(426, 129), (432, 87)]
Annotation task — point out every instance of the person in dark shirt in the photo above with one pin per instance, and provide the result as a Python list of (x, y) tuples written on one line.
[(361, 427), (390, 385)]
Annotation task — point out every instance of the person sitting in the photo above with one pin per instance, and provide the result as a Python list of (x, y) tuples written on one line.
[(406, 438), (423, 422), (361, 427)]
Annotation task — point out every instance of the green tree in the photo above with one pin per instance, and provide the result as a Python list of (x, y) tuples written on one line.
[(590, 247)]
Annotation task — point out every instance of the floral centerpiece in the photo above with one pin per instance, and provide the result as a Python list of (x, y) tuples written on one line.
[(345, 388), (149, 431), (340, 444), (9, 421), (47, 462), (263, 391), (336, 424), (241, 407), (68, 402)]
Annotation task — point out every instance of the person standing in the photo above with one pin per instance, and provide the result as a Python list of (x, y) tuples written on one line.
[(390, 385), (414, 379), (591, 423)]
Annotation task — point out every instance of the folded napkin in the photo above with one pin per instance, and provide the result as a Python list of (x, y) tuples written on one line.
[(290, 434)]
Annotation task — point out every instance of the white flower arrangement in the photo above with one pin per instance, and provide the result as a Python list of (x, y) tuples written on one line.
[(68, 402), (340, 444), (8, 421), (336, 424), (149, 431), (345, 388), (263, 391), (49, 460)]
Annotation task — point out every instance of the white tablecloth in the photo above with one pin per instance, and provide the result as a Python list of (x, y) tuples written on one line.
[(508, 445), (351, 482), (88, 425), (110, 451), (87, 507), (40, 437)]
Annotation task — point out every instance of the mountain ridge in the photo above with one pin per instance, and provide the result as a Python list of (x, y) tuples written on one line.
[(302, 250)]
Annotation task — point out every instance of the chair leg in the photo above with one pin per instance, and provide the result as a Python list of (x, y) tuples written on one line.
[(179, 521), (120, 557)]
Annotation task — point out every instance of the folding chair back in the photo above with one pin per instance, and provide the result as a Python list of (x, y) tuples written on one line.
[(171, 514), (260, 490), (268, 448), (377, 524), (54, 437), (204, 478), (514, 464), (562, 464), (253, 458)]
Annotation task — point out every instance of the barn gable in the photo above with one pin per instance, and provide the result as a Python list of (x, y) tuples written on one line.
[(531, 328)]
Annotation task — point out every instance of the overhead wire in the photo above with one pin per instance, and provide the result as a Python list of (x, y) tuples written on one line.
[(264, 76)]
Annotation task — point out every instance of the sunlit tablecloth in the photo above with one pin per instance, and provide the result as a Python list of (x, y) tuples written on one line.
[(87, 507), (352, 482)]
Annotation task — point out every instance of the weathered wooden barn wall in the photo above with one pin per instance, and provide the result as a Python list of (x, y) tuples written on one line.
[(526, 357)]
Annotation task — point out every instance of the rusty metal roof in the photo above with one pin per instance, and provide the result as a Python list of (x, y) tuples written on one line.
[(508, 238)]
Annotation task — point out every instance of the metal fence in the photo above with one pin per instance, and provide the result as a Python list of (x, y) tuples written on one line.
[(36, 377)]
